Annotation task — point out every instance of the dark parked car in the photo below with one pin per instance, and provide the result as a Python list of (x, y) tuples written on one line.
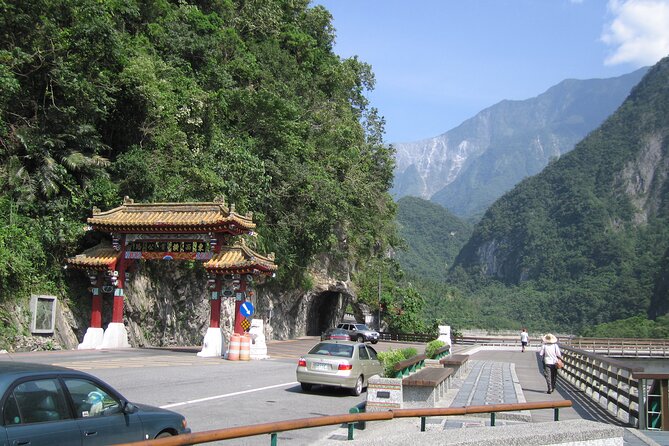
[(360, 332), (335, 334), (49, 405)]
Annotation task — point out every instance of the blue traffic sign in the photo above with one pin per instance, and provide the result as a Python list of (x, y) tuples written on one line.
[(246, 309)]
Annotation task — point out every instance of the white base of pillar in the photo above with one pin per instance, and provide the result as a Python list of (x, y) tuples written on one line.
[(115, 337), (258, 344), (92, 339), (445, 334), (259, 351), (212, 346)]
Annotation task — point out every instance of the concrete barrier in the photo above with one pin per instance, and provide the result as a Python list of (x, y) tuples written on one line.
[(568, 432)]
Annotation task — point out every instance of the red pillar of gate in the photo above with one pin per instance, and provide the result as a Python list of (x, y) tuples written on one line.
[(215, 305), (96, 303), (238, 304), (117, 312)]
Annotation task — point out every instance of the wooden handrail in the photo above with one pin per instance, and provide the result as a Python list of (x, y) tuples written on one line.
[(409, 362), (450, 411), (302, 423)]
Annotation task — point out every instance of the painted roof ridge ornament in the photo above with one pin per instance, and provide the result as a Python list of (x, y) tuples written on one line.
[(128, 200), (250, 253), (174, 217), (239, 259), (220, 200), (99, 257)]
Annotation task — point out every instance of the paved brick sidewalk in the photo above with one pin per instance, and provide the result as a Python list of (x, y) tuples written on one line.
[(496, 376)]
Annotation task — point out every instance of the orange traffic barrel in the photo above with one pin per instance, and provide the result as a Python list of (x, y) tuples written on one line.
[(245, 348), (233, 347)]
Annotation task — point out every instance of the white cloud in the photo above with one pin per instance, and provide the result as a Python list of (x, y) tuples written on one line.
[(638, 32)]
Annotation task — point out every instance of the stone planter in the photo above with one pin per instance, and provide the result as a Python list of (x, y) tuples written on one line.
[(384, 394)]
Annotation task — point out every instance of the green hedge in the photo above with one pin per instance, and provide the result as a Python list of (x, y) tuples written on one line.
[(432, 347), (391, 357)]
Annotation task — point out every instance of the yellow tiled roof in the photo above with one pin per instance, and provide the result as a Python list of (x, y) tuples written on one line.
[(99, 257), (242, 259), (159, 217)]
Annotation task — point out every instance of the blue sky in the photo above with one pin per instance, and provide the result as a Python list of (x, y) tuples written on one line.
[(439, 62)]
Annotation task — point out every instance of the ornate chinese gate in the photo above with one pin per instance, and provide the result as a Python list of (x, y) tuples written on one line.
[(170, 231)]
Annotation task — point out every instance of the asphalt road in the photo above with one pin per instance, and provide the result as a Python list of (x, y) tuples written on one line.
[(214, 393)]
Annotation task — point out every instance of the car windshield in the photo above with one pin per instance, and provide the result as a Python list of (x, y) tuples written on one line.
[(361, 327), (325, 349)]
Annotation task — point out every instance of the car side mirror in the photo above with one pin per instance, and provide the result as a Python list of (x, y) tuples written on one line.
[(127, 407)]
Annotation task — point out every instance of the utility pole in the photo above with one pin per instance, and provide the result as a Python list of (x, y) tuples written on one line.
[(379, 299)]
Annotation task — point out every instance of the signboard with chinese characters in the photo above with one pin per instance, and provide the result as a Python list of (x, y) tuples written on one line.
[(167, 249)]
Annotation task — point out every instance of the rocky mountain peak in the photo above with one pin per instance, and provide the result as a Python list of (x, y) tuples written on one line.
[(467, 168)]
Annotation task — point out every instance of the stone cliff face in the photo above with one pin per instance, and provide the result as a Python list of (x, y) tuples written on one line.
[(166, 304), (644, 178), (295, 313)]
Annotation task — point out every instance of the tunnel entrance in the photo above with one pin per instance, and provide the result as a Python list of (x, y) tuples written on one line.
[(326, 311)]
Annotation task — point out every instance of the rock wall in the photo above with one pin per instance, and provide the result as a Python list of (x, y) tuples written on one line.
[(167, 304), (18, 316)]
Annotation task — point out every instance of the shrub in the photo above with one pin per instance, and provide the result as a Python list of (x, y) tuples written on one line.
[(390, 358), (432, 347), (409, 352)]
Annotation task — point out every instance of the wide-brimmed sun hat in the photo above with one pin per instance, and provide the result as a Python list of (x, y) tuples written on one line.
[(550, 338)]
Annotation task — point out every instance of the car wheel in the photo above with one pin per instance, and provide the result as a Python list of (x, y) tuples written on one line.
[(357, 390), (163, 435), (360, 338), (305, 386), (374, 341)]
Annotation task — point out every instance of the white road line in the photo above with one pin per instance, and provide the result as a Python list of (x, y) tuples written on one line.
[(216, 397)]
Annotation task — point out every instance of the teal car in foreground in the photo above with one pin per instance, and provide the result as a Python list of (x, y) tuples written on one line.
[(49, 405)]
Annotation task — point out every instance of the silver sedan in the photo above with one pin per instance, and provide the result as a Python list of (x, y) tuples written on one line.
[(345, 364)]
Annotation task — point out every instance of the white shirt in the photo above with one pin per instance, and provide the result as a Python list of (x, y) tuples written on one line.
[(524, 337), (550, 353)]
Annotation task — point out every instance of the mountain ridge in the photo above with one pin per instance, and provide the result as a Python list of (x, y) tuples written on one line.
[(591, 231), (466, 168)]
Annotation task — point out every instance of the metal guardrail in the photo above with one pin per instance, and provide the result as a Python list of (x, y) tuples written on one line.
[(606, 381), (629, 347), (350, 419), (406, 337), (496, 341), (624, 347)]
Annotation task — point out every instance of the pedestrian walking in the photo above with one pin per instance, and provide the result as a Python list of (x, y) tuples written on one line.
[(551, 355), (524, 339)]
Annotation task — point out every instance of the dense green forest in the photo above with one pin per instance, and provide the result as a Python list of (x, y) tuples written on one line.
[(585, 241), (169, 101), (433, 237)]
